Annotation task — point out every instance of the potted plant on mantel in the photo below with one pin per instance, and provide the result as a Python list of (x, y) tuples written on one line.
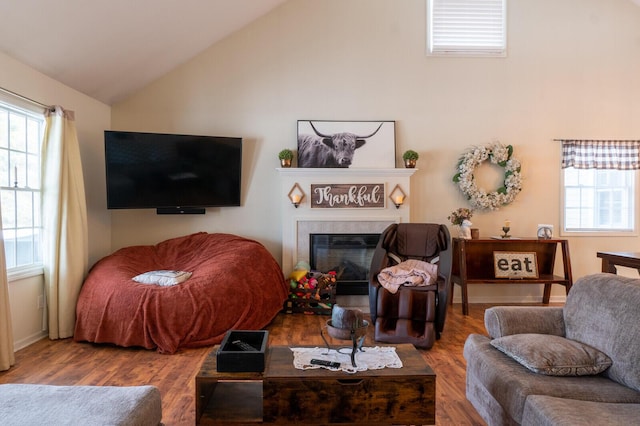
[(410, 157), (285, 156)]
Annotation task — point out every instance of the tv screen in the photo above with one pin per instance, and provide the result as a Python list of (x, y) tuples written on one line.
[(165, 171)]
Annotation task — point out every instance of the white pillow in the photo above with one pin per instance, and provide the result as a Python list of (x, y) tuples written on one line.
[(163, 278)]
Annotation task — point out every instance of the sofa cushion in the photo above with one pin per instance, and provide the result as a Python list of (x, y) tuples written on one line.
[(602, 310), (553, 355), (540, 410)]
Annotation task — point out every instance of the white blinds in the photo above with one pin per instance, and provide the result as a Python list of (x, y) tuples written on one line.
[(467, 27)]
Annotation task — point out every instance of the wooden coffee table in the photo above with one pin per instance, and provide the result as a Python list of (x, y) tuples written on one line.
[(286, 395)]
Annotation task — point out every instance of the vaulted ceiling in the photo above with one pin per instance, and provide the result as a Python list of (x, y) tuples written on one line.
[(109, 49)]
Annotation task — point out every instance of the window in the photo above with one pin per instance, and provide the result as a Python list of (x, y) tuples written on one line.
[(21, 133), (599, 200), (599, 181), (467, 27)]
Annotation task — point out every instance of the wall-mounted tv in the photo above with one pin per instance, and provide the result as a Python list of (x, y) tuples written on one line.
[(172, 173)]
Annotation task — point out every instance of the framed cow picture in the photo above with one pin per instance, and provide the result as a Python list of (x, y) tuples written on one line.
[(346, 144)]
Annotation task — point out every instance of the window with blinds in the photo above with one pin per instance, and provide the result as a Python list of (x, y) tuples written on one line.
[(467, 27)]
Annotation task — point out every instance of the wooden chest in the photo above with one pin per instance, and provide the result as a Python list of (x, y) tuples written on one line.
[(387, 396), (286, 395)]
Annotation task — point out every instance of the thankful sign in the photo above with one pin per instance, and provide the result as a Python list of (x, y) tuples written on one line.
[(356, 195), (515, 264)]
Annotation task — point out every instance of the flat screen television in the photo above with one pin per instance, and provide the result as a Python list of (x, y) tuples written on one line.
[(172, 173)]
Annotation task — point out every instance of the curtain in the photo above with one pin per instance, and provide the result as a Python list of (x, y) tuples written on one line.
[(601, 154), (7, 358), (65, 243)]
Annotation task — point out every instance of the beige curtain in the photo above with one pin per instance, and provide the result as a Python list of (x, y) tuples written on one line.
[(7, 358), (64, 211)]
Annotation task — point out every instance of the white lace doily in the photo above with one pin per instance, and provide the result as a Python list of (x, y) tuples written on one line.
[(373, 358)]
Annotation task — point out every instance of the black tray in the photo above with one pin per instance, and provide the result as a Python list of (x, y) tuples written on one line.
[(231, 358)]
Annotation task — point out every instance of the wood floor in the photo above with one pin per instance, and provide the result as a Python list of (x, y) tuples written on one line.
[(64, 362)]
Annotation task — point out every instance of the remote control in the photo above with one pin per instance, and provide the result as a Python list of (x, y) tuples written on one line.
[(243, 345), (331, 364)]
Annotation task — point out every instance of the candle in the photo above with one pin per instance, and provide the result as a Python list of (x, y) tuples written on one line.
[(399, 199), (296, 198), (507, 223)]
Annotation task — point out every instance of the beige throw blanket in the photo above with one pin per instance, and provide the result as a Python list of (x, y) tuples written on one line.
[(409, 273)]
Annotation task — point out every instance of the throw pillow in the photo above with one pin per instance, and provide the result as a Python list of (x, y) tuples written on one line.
[(553, 355), (163, 277)]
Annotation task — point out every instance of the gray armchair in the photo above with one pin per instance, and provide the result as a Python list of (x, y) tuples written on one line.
[(414, 314)]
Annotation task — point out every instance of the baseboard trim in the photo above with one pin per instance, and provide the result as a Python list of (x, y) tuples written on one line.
[(29, 340)]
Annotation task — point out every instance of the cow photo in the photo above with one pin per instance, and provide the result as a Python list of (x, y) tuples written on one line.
[(355, 144)]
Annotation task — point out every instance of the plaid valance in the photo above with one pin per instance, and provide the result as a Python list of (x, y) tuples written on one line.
[(601, 154)]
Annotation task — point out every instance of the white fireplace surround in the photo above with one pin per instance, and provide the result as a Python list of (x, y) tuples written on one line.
[(299, 223)]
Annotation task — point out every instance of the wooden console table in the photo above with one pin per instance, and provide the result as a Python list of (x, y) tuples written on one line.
[(622, 258), (473, 264)]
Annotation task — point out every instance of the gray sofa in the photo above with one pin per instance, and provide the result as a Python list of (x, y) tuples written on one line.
[(576, 364)]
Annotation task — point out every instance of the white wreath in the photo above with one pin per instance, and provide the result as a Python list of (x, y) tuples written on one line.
[(500, 155)]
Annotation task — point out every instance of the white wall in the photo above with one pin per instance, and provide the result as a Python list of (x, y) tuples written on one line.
[(92, 118), (572, 71)]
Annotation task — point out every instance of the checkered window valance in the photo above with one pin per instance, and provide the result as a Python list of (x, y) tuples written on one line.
[(601, 154)]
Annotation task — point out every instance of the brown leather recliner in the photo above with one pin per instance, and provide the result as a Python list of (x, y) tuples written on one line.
[(414, 314)]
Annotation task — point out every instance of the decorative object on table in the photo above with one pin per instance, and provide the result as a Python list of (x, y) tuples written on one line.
[(296, 195), (242, 351), (311, 292), (285, 156), (347, 324), (475, 234), (461, 217), (410, 158), (506, 228), (500, 155), (465, 229), (355, 144), (370, 358), (397, 196), (515, 265), (545, 232)]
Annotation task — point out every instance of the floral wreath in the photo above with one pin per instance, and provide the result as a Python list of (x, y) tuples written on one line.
[(500, 155)]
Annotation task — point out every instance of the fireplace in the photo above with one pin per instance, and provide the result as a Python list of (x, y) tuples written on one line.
[(299, 222), (349, 255)]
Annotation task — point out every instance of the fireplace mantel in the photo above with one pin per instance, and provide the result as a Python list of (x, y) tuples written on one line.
[(343, 172), (298, 222)]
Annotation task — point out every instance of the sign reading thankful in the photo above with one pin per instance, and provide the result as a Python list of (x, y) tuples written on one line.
[(515, 264), (335, 196)]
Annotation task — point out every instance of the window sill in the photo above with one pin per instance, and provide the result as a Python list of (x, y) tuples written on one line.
[(16, 274), (599, 233)]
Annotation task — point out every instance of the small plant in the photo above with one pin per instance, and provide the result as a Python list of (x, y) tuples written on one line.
[(285, 154), (410, 155)]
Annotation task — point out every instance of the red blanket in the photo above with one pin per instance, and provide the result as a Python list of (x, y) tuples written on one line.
[(236, 284)]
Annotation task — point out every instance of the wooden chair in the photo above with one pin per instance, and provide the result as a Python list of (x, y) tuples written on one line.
[(414, 314)]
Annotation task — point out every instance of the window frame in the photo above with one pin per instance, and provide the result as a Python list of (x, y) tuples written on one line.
[(20, 106), (487, 51), (605, 232)]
